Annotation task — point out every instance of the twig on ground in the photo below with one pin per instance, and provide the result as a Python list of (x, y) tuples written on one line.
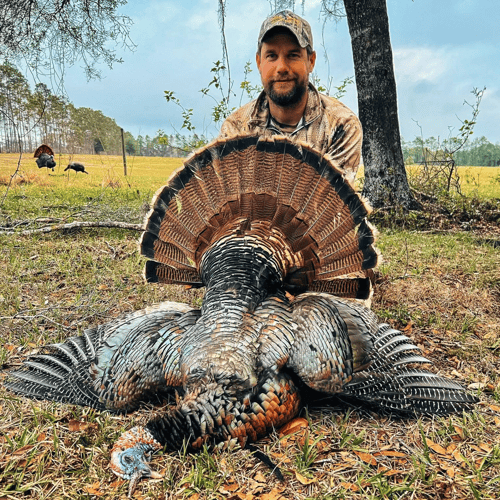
[(73, 225)]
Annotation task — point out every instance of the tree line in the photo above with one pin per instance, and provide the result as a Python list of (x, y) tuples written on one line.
[(30, 117), (480, 152)]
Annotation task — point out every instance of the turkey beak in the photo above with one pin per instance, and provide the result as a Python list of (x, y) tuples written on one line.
[(144, 471)]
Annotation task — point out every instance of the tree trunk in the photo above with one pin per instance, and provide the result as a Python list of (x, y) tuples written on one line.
[(385, 175)]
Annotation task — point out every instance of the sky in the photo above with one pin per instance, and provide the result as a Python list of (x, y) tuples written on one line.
[(442, 50)]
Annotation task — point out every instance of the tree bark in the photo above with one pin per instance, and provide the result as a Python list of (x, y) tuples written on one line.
[(385, 175)]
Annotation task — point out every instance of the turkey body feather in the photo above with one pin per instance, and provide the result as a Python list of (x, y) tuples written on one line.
[(248, 219)]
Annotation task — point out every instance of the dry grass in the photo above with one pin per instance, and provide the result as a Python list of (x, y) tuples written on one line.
[(143, 173), (442, 290), (481, 182), (23, 178)]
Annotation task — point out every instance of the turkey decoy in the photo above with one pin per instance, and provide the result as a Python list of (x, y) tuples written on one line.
[(45, 157), (250, 219), (77, 167)]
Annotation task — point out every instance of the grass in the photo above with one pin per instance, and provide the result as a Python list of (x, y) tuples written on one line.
[(479, 182), (67, 193), (442, 289)]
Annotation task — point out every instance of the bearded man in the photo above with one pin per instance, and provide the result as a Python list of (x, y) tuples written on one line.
[(289, 104)]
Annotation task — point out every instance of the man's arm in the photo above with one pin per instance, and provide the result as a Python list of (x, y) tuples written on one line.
[(229, 128), (344, 145)]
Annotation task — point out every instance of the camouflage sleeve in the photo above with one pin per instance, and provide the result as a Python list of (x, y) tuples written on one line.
[(344, 145), (229, 128)]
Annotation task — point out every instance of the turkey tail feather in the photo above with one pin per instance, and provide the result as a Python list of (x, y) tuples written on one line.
[(43, 149), (275, 188)]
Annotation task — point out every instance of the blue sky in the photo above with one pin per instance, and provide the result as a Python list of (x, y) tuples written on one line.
[(442, 50)]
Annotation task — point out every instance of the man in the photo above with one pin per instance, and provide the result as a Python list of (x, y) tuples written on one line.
[(289, 104)]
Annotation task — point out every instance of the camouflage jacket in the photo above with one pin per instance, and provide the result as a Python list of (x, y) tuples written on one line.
[(327, 125)]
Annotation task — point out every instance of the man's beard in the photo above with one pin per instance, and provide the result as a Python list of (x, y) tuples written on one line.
[(288, 99)]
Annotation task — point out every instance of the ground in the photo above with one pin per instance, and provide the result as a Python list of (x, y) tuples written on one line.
[(439, 283)]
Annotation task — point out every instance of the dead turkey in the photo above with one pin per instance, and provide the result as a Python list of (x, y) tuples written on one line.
[(249, 219), (77, 167), (45, 157)]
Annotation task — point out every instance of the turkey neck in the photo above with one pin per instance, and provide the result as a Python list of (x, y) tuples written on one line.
[(239, 272)]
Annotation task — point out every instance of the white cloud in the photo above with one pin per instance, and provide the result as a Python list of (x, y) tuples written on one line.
[(416, 64)]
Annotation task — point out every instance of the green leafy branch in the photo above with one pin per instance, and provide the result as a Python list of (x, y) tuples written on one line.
[(246, 87), (340, 90), (186, 113), (221, 109)]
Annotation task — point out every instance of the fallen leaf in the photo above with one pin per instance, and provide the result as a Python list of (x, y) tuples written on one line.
[(497, 421), (339, 466), (451, 472), (94, 489), (293, 426), (457, 456), (23, 449), (303, 479), (242, 496), (451, 448), (477, 385), (390, 453), (435, 447), (408, 328), (485, 447), (459, 431), (230, 487), (77, 425), (41, 437), (259, 478), (495, 408), (366, 457), (350, 486), (274, 494), (390, 472)]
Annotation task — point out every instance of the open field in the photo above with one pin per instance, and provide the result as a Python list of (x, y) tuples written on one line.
[(105, 180), (146, 174), (442, 288)]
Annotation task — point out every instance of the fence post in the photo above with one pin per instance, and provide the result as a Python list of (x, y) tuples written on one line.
[(124, 156)]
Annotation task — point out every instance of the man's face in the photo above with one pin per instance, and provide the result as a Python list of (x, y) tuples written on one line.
[(284, 68)]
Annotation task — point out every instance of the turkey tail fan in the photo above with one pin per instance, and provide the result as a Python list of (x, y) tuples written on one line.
[(43, 149), (272, 188), (392, 382)]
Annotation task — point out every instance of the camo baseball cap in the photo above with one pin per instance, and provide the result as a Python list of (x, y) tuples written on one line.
[(288, 19)]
